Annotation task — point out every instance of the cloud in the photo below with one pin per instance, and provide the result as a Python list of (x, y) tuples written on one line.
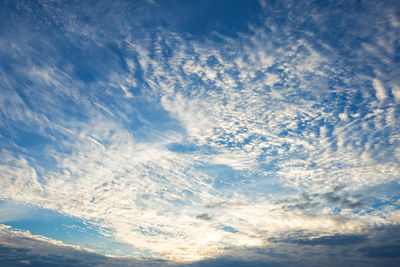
[(178, 135), (20, 248), (204, 216), (224, 262), (396, 92), (383, 251), (380, 90), (335, 240)]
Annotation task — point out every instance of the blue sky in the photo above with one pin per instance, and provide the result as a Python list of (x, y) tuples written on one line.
[(200, 132)]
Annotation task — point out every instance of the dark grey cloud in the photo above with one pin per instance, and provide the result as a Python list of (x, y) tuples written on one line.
[(302, 206), (383, 251), (342, 197), (15, 256), (204, 216), (334, 240), (227, 262), (385, 243), (18, 251), (337, 197), (379, 246), (224, 204)]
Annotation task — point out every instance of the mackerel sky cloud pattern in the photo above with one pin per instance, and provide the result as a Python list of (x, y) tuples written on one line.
[(200, 133)]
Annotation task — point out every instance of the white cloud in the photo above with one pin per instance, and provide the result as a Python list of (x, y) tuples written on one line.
[(396, 92), (343, 116), (380, 91)]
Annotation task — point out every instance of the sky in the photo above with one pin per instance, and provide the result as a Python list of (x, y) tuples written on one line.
[(199, 133)]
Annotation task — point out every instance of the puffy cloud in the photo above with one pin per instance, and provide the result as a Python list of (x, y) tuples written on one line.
[(380, 90)]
